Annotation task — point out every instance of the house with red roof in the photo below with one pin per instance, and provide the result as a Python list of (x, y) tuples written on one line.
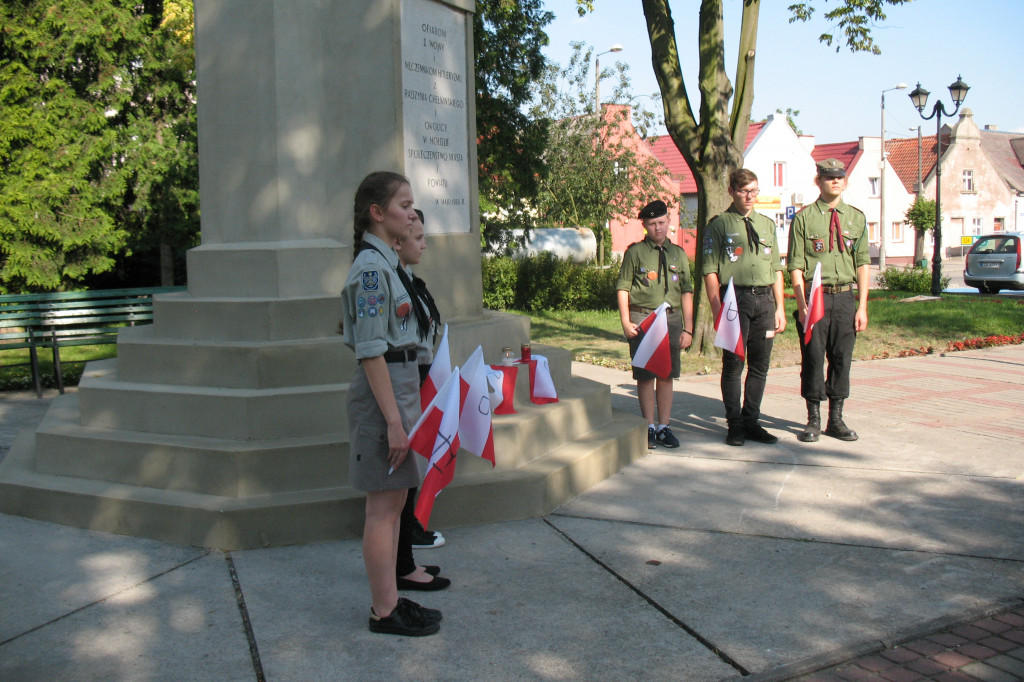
[(982, 179), (775, 153), (863, 160), (628, 229)]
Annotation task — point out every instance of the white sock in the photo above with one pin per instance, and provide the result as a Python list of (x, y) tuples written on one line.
[(662, 426)]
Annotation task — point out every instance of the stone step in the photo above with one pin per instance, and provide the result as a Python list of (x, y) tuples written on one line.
[(143, 357), (310, 515), (240, 468)]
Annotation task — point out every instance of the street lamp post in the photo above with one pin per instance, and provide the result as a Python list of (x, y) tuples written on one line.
[(597, 75), (881, 185), (919, 96)]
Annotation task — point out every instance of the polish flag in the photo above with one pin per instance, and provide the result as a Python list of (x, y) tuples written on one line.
[(436, 437), (653, 353), (440, 370), (815, 304), (476, 434), (727, 324), (542, 386), (501, 381)]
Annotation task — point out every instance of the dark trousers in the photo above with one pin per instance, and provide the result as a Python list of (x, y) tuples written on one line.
[(406, 564), (756, 310), (832, 339)]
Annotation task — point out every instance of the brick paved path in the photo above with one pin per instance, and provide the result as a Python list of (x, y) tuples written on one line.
[(988, 649)]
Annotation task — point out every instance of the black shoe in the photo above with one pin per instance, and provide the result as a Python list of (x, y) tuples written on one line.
[(405, 620), (735, 434), (426, 539), (429, 615), (432, 570), (667, 439), (652, 438), (436, 583), (757, 434)]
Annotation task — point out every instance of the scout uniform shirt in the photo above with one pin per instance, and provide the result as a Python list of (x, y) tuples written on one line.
[(376, 308), (809, 243), (729, 252), (646, 286)]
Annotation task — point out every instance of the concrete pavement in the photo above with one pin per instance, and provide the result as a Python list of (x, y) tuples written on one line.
[(704, 563)]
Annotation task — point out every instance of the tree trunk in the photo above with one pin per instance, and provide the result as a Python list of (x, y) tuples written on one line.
[(918, 246), (166, 264)]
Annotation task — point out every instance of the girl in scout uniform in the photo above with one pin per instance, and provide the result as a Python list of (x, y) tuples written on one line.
[(381, 325), (411, 534)]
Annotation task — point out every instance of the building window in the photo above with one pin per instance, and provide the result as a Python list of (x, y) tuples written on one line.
[(897, 232), (780, 174), (977, 225), (873, 187), (872, 232), (969, 181), (998, 224)]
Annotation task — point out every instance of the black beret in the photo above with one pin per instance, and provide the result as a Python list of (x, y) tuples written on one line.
[(655, 209)]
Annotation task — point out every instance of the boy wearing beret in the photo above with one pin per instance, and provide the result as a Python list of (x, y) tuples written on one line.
[(656, 271)]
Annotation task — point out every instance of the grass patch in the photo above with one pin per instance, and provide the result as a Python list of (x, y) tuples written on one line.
[(894, 328), (16, 368)]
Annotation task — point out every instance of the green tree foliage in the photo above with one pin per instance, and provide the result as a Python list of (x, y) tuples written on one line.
[(921, 215), (711, 136), (95, 137), (508, 38), (594, 171)]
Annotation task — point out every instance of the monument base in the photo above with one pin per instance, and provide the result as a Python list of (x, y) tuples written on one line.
[(238, 493)]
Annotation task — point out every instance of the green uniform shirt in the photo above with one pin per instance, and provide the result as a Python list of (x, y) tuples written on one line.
[(375, 308), (809, 241), (729, 253), (646, 286)]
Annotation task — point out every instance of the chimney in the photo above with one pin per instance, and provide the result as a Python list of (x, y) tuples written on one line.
[(991, 127)]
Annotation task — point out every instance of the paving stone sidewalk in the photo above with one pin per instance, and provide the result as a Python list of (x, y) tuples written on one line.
[(991, 648)]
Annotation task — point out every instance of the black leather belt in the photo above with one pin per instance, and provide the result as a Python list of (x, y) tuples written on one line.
[(647, 311), (757, 291), (408, 355), (836, 288)]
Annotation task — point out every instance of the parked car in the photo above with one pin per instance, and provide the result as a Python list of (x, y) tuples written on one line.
[(994, 263)]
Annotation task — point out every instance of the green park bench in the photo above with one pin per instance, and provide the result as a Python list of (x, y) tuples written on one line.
[(74, 318)]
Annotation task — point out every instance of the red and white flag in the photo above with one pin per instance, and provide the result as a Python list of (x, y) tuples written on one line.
[(542, 386), (440, 370), (653, 353), (815, 304), (727, 324), (476, 434), (502, 383), (436, 437)]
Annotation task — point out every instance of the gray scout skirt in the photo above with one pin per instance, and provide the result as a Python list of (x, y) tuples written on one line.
[(368, 432)]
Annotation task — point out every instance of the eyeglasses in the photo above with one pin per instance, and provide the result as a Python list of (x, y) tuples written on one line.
[(748, 192)]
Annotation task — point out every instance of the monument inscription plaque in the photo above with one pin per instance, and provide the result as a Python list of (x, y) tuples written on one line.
[(435, 98)]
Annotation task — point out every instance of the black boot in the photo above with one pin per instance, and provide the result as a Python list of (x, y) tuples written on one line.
[(812, 432), (735, 435), (836, 428)]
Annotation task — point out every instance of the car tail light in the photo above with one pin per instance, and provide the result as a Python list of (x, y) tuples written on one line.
[(1018, 253)]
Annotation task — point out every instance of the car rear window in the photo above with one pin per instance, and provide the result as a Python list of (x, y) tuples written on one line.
[(1006, 244)]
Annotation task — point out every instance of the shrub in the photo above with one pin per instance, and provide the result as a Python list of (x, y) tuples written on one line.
[(544, 281), (916, 280)]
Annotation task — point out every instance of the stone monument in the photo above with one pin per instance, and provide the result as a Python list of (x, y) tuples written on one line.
[(223, 423)]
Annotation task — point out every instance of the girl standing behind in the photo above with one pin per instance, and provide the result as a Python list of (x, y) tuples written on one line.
[(411, 534), (381, 324)]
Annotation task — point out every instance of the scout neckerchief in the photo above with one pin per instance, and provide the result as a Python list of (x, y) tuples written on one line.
[(662, 264), (422, 323), (835, 233), (751, 233), (428, 300)]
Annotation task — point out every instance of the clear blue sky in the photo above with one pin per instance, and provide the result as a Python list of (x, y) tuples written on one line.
[(838, 95)]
